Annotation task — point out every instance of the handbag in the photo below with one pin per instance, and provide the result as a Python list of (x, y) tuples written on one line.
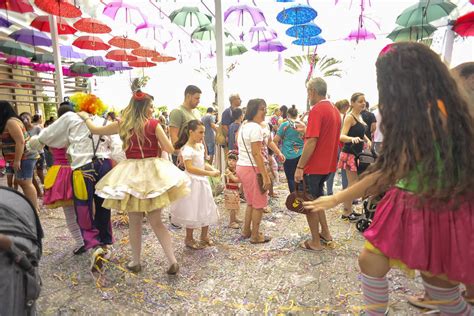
[(259, 175), (220, 136), (294, 201)]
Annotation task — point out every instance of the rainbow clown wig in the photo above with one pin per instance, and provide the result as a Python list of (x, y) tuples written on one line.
[(89, 103)]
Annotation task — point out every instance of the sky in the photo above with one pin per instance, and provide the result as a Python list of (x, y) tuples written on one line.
[(260, 74)]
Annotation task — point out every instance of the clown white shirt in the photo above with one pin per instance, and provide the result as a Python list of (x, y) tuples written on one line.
[(71, 131)]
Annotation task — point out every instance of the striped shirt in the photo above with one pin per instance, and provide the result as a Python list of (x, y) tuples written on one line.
[(8, 145)]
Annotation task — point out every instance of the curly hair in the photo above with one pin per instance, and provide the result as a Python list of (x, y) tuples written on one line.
[(424, 141), (134, 119)]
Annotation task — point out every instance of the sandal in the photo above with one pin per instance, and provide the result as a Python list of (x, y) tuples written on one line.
[(419, 301), (305, 246), (173, 269), (352, 217), (324, 240), (261, 239), (79, 250), (234, 225), (207, 243), (195, 245), (135, 269)]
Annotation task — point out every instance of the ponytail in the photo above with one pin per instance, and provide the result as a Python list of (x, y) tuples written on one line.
[(184, 135), (293, 111)]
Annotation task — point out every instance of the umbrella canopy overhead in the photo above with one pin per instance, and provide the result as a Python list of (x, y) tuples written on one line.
[(360, 34), (269, 46), (4, 22), (234, 49), (206, 33), (262, 33), (189, 16), (304, 30), (119, 10), (103, 73), (309, 41), (117, 66), (163, 59), (424, 12), (44, 67), (238, 12), (95, 61), (411, 33), (145, 52), (90, 42), (90, 25), (81, 68), (41, 23), (464, 25), (160, 33), (141, 63), (31, 37), (297, 14), (18, 60), (20, 6), (123, 42), (16, 49), (59, 8), (68, 52), (43, 58), (120, 55)]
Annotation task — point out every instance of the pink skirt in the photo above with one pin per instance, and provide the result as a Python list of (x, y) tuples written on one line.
[(426, 235), (58, 187), (347, 162), (253, 195)]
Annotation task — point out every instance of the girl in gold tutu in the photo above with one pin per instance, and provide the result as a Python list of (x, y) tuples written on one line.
[(143, 183)]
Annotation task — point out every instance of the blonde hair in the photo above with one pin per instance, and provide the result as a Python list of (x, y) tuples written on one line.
[(134, 118)]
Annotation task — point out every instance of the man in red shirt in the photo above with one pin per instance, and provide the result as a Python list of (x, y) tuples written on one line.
[(319, 156)]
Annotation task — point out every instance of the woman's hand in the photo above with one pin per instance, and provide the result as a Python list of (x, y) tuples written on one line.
[(83, 115), (17, 165), (321, 204), (356, 140), (369, 144), (214, 173), (267, 182), (281, 157)]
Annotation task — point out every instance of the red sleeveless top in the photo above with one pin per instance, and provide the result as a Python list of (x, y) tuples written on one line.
[(150, 147)]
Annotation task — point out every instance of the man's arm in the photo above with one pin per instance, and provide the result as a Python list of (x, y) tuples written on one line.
[(175, 123), (55, 135)]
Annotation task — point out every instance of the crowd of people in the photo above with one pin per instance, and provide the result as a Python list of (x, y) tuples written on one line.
[(421, 132)]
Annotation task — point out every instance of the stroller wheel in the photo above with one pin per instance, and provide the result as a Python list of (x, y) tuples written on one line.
[(362, 224)]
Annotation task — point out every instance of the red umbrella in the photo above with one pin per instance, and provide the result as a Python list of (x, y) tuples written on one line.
[(145, 52), (120, 55), (124, 42), (90, 42), (163, 59), (59, 7), (21, 6), (464, 25), (42, 23), (141, 62), (90, 25)]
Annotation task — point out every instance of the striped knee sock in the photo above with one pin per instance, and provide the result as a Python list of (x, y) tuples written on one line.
[(452, 301), (375, 292), (72, 225)]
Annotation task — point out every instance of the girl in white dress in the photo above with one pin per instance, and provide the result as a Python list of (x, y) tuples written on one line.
[(196, 210)]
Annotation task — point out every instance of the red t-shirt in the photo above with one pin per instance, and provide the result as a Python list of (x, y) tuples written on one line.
[(324, 123), (150, 147)]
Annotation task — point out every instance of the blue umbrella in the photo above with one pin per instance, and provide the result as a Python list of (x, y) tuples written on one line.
[(304, 30), (297, 14), (4, 22), (285, 0), (309, 41)]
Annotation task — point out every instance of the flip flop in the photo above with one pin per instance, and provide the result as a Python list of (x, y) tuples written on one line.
[(324, 240), (305, 246), (419, 301), (207, 243), (234, 225), (260, 240), (195, 246)]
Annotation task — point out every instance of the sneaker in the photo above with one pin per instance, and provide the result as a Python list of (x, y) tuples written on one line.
[(79, 250), (352, 217)]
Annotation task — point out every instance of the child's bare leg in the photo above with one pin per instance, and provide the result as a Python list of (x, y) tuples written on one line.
[(205, 233), (189, 239), (246, 230)]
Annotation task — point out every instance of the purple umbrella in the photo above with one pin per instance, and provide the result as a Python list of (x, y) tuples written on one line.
[(160, 34), (132, 14), (68, 52), (19, 60), (269, 46), (95, 61), (117, 66), (360, 34), (263, 33), (44, 67), (4, 22), (240, 10), (31, 37)]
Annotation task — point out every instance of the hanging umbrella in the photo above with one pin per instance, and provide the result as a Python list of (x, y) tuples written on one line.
[(19, 61), (120, 55), (104, 73), (90, 42), (95, 61), (424, 12), (411, 33), (160, 33), (145, 52), (141, 63), (464, 25), (20, 6), (44, 67), (123, 42), (117, 66), (239, 11), (41, 23), (360, 34), (304, 30), (263, 33), (191, 14), (4, 22), (309, 41), (68, 52), (16, 49), (233, 49), (285, 0), (90, 25), (206, 33), (43, 58), (81, 68), (119, 10), (31, 37), (269, 46), (59, 8), (163, 59), (297, 14)]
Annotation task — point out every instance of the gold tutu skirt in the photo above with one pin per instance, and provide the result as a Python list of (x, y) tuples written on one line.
[(142, 185)]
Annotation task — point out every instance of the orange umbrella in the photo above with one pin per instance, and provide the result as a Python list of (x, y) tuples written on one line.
[(120, 55), (163, 59), (142, 63), (145, 52), (90, 25), (124, 42), (62, 8), (42, 23), (90, 42)]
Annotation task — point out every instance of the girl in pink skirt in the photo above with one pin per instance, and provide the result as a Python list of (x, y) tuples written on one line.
[(58, 189), (426, 219)]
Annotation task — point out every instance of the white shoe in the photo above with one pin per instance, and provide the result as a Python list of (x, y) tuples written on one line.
[(96, 262)]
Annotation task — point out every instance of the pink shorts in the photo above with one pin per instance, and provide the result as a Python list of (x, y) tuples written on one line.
[(255, 198), (347, 162)]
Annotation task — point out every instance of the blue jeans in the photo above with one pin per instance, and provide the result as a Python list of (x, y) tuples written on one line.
[(290, 167), (330, 181)]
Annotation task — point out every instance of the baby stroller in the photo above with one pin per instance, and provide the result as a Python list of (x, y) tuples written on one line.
[(20, 253)]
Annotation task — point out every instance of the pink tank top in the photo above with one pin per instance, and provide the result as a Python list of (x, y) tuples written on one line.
[(59, 156)]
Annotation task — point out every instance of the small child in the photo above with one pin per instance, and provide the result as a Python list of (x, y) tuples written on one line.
[(231, 192), (237, 117), (196, 210)]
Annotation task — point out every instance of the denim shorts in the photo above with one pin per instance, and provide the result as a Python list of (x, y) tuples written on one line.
[(27, 169), (315, 184)]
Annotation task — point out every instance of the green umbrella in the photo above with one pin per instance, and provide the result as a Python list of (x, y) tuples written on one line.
[(15, 49), (43, 58), (411, 33), (104, 73), (424, 12), (233, 49), (186, 15), (207, 33), (81, 68)]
